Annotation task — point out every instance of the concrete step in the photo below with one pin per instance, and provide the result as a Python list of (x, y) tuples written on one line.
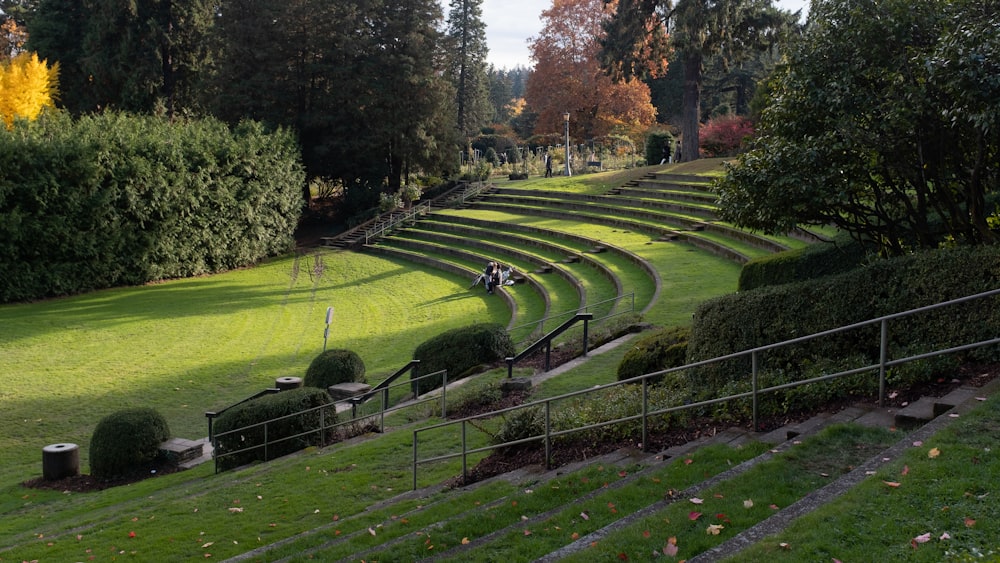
[(918, 412), (953, 399)]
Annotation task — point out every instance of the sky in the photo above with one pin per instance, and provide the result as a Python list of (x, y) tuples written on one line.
[(509, 24)]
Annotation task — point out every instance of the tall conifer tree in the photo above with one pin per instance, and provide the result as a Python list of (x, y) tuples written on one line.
[(467, 64)]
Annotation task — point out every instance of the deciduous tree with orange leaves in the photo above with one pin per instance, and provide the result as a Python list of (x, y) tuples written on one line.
[(27, 85), (568, 77)]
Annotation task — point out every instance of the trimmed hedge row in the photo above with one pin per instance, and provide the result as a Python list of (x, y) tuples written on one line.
[(299, 430), (810, 262), (112, 199), (769, 315)]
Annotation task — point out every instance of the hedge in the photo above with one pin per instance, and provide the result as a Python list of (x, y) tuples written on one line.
[(750, 319), (113, 199), (840, 255), (459, 351)]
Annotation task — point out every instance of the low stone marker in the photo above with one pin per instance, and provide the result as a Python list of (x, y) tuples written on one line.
[(286, 383), (60, 461)]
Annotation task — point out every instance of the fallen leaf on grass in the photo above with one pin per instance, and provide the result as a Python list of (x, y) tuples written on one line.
[(906, 470), (924, 538), (892, 484), (465, 541), (527, 532), (945, 536), (748, 503), (671, 548), (933, 453), (696, 500), (584, 516), (714, 529), (969, 522), (694, 515)]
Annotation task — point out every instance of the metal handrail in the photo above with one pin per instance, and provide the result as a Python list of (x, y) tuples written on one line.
[(584, 309), (546, 342), (753, 394), (337, 406), (394, 219)]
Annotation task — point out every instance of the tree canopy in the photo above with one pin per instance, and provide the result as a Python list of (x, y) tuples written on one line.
[(885, 122), (568, 76), (637, 42)]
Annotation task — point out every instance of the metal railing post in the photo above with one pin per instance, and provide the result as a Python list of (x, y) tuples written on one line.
[(586, 339), (548, 435), (465, 466), (753, 385), (414, 460), (510, 367), (645, 410), (883, 354), (444, 395)]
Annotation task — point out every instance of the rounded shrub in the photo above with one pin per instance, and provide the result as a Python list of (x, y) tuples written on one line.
[(126, 442), (666, 348), (239, 431), (460, 352), (333, 367)]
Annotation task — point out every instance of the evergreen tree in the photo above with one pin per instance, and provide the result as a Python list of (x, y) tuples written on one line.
[(138, 56), (467, 64)]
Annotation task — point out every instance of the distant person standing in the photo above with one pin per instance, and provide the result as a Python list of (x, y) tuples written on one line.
[(548, 165), (666, 153)]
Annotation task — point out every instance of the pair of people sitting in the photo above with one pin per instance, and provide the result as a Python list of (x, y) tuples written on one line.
[(491, 276)]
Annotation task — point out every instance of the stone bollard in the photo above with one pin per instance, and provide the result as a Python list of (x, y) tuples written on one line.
[(286, 383), (60, 461)]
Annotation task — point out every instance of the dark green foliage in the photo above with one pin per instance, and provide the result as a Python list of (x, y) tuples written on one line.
[(520, 425), (111, 199), (460, 351), (899, 145), (655, 141), (308, 428), (810, 262), (142, 56), (127, 442), (769, 315), (333, 367), (664, 349), (613, 404)]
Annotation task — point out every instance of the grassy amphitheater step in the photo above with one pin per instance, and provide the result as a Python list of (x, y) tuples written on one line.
[(528, 302), (597, 279), (530, 261), (675, 213), (560, 292), (630, 272), (651, 223)]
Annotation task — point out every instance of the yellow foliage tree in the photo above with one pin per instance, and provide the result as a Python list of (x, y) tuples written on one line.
[(27, 85)]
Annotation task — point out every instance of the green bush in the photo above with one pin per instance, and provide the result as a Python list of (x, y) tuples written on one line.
[(333, 367), (460, 352), (520, 424), (840, 255), (768, 315), (616, 403), (666, 348), (127, 442), (240, 429), (112, 199)]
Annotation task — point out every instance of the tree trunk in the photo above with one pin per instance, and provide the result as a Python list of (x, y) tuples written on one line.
[(691, 115)]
